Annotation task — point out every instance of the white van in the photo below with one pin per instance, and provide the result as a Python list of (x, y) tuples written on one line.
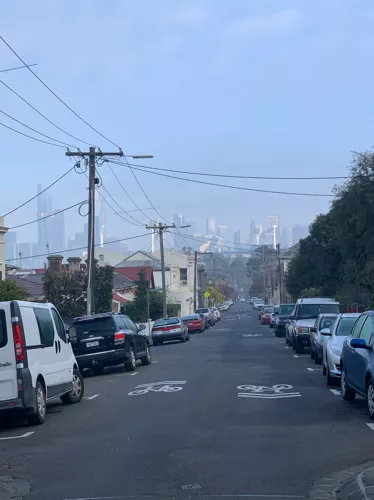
[(36, 359)]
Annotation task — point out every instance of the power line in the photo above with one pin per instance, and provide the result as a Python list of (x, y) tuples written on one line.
[(18, 67), (238, 176), (47, 216), (116, 202), (79, 248), (57, 97), (41, 192), (43, 116), (241, 188), (36, 131), (31, 137)]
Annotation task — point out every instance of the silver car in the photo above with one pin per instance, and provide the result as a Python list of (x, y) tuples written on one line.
[(316, 339), (332, 349)]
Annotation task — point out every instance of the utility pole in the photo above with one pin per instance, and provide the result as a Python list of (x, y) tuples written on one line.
[(264, 271), (195, 283), (280, 275), (92, 154)]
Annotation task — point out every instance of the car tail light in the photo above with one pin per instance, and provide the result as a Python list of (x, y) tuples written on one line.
[(19, 348), (119, 338)]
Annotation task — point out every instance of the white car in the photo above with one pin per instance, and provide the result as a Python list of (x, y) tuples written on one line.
[(223, 307), (37, 362), (332, 348), (258, 303), (216, 313)]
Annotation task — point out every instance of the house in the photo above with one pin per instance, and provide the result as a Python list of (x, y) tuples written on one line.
[(285, 259), (33, 285), (3, 230), (130, 266)]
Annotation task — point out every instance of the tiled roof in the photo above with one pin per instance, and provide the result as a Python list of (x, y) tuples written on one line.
[(32, 289), (131, 273)]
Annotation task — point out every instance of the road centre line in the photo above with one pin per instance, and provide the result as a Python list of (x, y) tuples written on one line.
[(27, 434)]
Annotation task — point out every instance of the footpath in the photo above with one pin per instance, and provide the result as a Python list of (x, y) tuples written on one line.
[(12, 488)]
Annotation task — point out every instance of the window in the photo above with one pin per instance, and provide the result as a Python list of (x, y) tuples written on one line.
[(3, 335), (326, 322), (45, 324), (356, 329), (132, 325), (367, 330), (345, 326), (183, 274), (59, 325), (120, 320)]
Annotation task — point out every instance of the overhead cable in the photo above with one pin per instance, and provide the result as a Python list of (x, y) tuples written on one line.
[(50, 215)]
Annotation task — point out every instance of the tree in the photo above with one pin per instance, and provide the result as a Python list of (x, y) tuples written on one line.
[(138, 308), (9, 290), (103, 289)]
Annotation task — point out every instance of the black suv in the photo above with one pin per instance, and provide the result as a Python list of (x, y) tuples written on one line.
[(108, 339)]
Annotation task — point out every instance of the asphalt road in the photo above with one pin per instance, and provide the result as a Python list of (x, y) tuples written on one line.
[(201, 439)]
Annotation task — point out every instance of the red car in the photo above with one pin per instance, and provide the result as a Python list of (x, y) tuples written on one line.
[(266, 316), (194, 323)]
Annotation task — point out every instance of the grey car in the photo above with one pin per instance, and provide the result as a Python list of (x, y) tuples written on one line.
[(316, 339), (168, 329)]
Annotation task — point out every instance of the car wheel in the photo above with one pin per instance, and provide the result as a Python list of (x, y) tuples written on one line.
[(370, 399), (329, 379), (347, 393), (188, 338), (293, 343), (312, 352), (147, 359), (277, 334), (155, 343), (317, 359), (39, 416), (183, 339), (299, 349), (131, 364), (76, 394), (324, 370)]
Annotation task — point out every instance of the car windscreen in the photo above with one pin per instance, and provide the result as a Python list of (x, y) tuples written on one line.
[(191, 318), (168, 321), (201, 311), (345, 326), (309, 311), (268, 309), (286, 310), (326, 323), (94, 325)]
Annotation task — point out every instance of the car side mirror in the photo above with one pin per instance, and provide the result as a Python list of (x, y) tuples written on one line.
[(359, 344), (326, 332), (141, 327)]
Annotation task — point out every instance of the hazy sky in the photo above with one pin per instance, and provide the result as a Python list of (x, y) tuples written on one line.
[(259, 87)]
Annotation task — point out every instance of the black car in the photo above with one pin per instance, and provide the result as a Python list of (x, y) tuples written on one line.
[(284, 310), (108, 339)]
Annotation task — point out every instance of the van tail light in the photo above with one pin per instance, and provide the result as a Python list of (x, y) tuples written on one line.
[(19, 348), (119, 338)]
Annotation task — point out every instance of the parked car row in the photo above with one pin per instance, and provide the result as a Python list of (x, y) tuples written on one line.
[(225, 306), (342, 342)]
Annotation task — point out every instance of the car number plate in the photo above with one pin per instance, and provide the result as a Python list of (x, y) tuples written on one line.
[(92, 344)]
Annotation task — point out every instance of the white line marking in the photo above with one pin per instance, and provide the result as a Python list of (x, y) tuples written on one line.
[(92, 397), (295, 356), (221, 329), (334, 391), (270, 396), (287, 347), (163, 383), (310, 369), (132, 374), (371, 426), (253, 335), (27, 434), (154, 362), (201, 496)]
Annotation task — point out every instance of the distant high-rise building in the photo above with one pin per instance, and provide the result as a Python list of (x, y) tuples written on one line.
[(258, 233), (24, 254), (10, 241), (286, 237), (222, 231), (241, 238), (56, 231), (298, 232), (179, 241), (211, 226), (252, 233), (44, 208)]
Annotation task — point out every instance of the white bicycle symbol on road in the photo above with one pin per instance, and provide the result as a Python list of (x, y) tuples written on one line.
[(275, 389), (157, 387)]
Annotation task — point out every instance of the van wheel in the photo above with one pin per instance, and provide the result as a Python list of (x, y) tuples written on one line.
[(131, 364), (76, 394), (40, 414), (147, 359)]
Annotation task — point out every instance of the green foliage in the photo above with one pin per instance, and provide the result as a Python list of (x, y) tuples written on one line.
[(103, 289), (138, 308), (311, 292), (155, 305), (173, 309), (338, 256), (9, 290)]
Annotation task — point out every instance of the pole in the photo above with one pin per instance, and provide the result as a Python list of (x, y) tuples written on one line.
[(148, 313), (164, 303), (263, 267), (195, 284), (280, 275), (92, 154)]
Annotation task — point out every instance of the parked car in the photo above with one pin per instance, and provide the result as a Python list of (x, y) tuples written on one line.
[(195, 323), (281, 318), (323, 322), (258, 303), (169, 329), (207, 314), (213, 316), (303, 318), (332, 348), (260, 310), (217, 313), (36, 359), (223, 307), (265, 314), (357, 362), (108, 339), (273, 316)]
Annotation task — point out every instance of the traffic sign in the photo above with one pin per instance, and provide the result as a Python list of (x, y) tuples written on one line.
[(206, 295)]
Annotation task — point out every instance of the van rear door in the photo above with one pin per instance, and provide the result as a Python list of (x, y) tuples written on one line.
[(8, 368)]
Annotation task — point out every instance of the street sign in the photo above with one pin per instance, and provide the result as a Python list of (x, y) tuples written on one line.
[(206, 295)]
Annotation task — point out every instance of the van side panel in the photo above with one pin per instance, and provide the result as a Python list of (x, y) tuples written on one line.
[(8, 368)]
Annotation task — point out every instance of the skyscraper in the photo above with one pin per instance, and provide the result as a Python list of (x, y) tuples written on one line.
[(56, 231), (10, 241), (252, 233), (179, 221), (44, 208), (211, 226)]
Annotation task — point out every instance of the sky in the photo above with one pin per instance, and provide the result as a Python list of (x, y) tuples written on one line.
[(260, 87)]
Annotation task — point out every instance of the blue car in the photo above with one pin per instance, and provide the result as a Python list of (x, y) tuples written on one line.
[(357, 362)]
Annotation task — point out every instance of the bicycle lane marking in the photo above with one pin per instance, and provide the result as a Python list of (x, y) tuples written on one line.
[(165, 387), (263, 392)]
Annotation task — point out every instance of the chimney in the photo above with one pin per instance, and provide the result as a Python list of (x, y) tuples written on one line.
[(74, 263), (55, 262)]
